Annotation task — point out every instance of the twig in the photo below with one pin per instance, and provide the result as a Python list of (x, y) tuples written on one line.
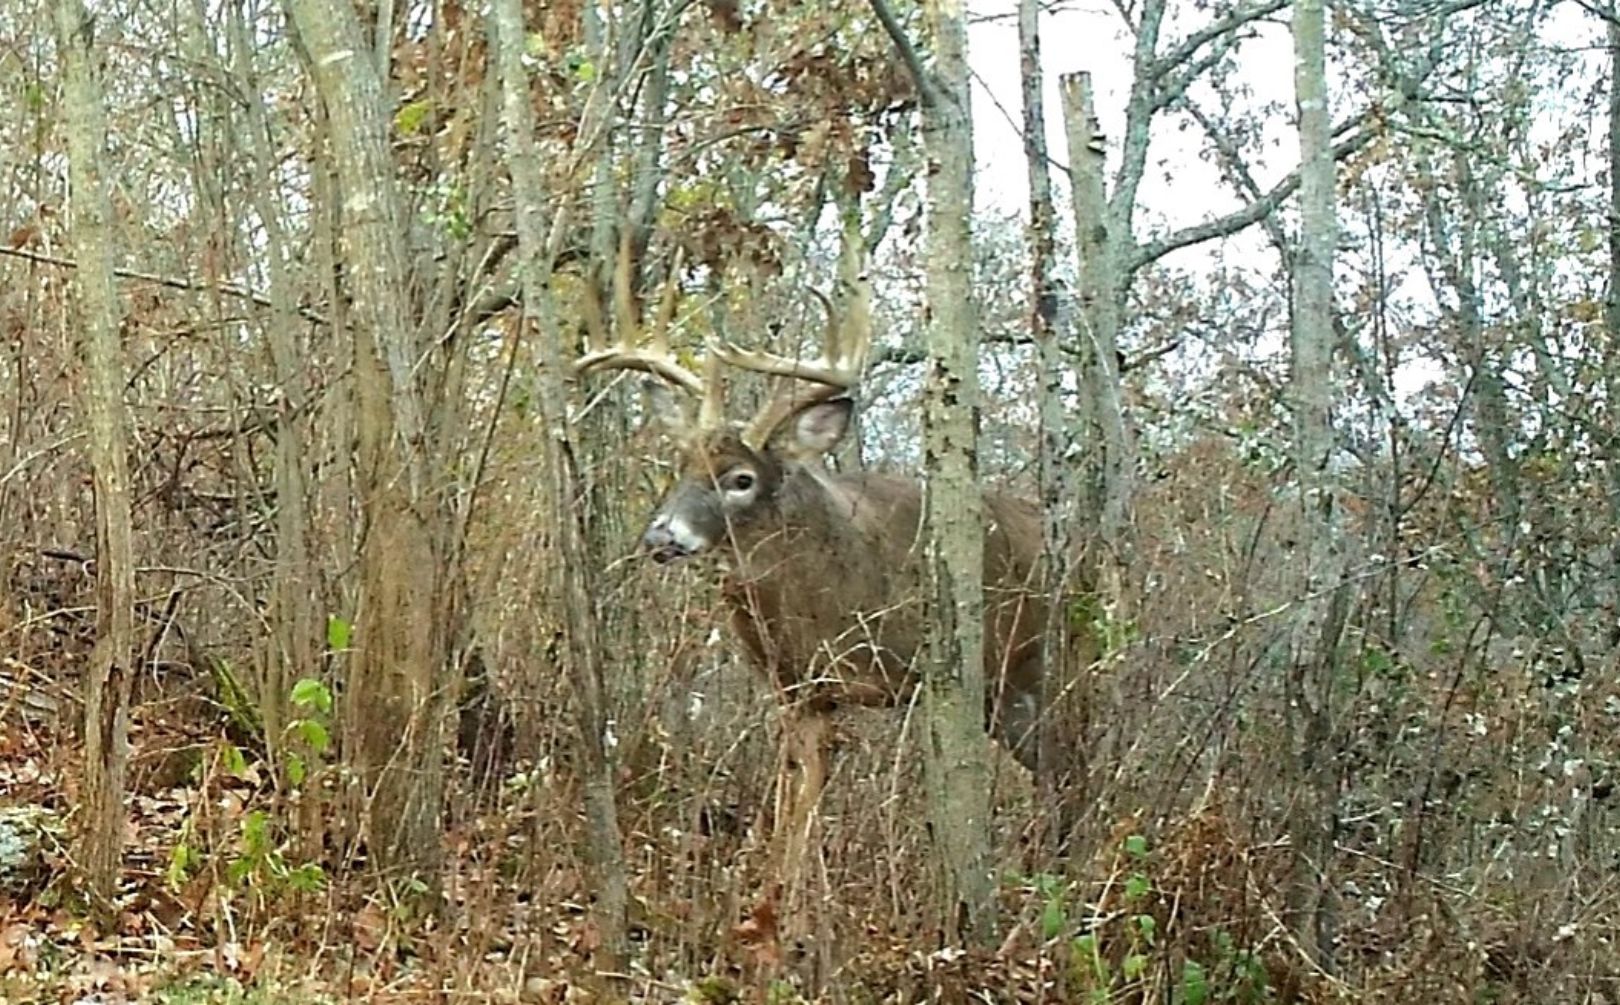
[(173, 283), (51, 448), (1234, 20)]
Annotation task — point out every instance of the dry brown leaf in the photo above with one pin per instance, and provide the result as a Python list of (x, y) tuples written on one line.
[(760, 934), (370, 927), (15, 952)]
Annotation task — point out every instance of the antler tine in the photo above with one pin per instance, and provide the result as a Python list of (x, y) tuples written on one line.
[(845, 345), (655, 356), (711, 402), (832, 337), (664, 367), (659, 340), (855, 339)]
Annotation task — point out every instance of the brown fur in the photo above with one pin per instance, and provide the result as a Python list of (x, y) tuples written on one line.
[(826, 586), (826, 581)]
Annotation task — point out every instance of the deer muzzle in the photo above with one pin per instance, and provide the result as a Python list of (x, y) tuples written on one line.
[(669, 538)]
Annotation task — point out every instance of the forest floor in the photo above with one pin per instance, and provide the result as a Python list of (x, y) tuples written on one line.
[(216, 907)]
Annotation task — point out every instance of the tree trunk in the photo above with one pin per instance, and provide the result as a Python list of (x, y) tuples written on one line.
[(111, 671), (1108, 496), (621, 208), (336, 507), (646, 172), (1613, 323), (396, 695), (573, 576), (1062, 783), (955, 755), (1319, 621), (293, 616)]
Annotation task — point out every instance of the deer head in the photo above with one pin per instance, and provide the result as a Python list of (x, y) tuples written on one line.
[(732, 476), (727, 487)]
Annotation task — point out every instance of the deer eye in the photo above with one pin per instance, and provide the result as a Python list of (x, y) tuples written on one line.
[(739, 481)]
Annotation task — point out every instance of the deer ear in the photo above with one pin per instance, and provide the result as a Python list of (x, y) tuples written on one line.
[(815, 429)]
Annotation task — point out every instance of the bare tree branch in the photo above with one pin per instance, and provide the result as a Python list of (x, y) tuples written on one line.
[(1171, 92), (926, 86), (171, 282), (1231, 159), (1231, 223), (909, 353), (1234, 20), (1139, 110), (1604, 14)]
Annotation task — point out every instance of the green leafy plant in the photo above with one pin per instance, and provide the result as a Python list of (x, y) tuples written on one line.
[(1128, 954), (1054, 904), (184, 858), (1194, 984), (1239, 974), (411, 116), (338, 633), (780, 992), (313, 699), (260, 862)]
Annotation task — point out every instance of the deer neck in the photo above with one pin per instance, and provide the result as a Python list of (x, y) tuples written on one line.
[(791, 551)]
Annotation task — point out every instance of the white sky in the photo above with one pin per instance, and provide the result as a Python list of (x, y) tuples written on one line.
[(997, 107), (1179, 187)]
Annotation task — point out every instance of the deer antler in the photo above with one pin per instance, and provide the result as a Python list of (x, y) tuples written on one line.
[(846, 343), (645, 347)]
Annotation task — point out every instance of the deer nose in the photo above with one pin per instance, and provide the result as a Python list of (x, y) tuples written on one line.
[(660, 543), (667, 539)]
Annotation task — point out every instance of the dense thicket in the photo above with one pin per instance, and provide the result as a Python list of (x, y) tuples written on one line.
[(407, 714)]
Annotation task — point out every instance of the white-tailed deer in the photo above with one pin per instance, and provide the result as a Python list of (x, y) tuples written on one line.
[(825, 570)]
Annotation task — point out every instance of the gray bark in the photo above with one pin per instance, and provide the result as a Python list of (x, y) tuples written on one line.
[(955, 755), (1097, 234), (1320, 617), (397, 694), (1613, 305), (1056, 435), (1612, 315), (294, 617), (1140, 107), (110, 674), (573, 579)]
